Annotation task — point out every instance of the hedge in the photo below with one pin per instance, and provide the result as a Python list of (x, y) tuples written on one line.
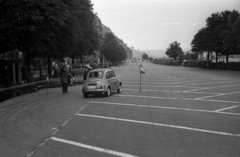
[(211, 65)]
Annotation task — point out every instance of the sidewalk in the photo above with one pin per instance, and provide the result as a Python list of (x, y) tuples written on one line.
[(17, 90)]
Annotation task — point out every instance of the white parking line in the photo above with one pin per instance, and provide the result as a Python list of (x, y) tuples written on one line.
[(149, 90), (155, 97), (173, 81), (226, 108), (168, 108), (107, 151), (213, 82), (123, 71), (55, 132), (129, 85), (212, 87), (217, 95), (160, 124)]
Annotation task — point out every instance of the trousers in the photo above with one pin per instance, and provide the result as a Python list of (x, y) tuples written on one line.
[(64, 87)]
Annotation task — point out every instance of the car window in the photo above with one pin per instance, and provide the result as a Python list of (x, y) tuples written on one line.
[(110, 74), (96, 74), (113, 74), (107, 75)]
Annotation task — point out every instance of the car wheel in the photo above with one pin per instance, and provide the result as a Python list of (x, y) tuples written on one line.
[(108, 92), (85, 95), (119, 88)]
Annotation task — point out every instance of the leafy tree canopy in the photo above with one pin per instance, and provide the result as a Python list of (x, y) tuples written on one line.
[(48, 27), (144, 56), (174, 50), (112, 50), (220, 34)]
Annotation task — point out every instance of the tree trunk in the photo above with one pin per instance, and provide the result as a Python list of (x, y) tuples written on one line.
[(73, 61), (216, 57), (40, 66), (49, 65), (207, 59), (81, 57), (27, 60), (227, 56)]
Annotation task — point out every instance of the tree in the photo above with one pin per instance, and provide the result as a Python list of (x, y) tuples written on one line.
[(48, 27), (204, 41), (80, 35), (144, 56), (174, 50), (223, 22), (112, 50), (232, 37), (236, 34), (218, 36)]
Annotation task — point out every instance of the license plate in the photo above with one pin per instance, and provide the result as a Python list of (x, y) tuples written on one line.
[(91, 87)]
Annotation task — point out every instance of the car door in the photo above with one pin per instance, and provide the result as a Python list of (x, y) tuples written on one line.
[(116, 81), (110, 80)]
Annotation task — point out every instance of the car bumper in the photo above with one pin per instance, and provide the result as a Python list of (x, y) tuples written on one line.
[(93, 91)]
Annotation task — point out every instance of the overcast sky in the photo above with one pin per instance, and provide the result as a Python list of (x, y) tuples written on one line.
[(154, 24)]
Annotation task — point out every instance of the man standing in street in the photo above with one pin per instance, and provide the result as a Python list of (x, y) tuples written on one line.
[(64, 77)]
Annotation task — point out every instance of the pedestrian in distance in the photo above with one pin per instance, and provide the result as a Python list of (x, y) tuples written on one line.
[(55, 70), (64, 77)]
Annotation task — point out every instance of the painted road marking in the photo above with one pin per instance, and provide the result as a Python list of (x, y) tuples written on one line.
[(168, 108), (55, 132), (172, 81), (212, 87), (107, 151), (123, 71), (217, 95), (213, 82), (155, 97), (160, 124), (162, 86), (226, 108), (148, 90)]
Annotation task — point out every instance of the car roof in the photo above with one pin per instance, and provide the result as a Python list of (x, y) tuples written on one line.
[(103, 70)]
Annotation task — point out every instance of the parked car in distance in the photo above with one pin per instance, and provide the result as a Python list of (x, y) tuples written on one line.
[(101, 81)]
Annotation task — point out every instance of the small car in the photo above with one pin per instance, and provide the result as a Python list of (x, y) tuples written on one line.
[(101, 81)]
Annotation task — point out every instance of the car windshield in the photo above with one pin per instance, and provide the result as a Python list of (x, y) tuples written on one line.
[(96, 74)]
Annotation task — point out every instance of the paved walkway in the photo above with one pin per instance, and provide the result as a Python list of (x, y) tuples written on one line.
[(21, 89)]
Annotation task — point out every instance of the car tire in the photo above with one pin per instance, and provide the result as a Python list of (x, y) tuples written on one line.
[(85, 95), (119, 88), (108, 92)]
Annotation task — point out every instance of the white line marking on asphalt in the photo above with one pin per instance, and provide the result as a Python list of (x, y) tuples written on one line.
[(155, 97), (107, 151), (217, 95), (179, 81), (129, 85), (212, 82), (226, 108), (192, 90), (228, 86), (209, 96), (160, 124), (54, 132), (147, 90), (212, 87), (168, 108), (123, 71)]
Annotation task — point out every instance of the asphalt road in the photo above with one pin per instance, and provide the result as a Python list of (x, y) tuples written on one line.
[(179, 112)]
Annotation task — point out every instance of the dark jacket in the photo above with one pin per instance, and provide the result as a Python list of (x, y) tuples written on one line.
[(64, 74)]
